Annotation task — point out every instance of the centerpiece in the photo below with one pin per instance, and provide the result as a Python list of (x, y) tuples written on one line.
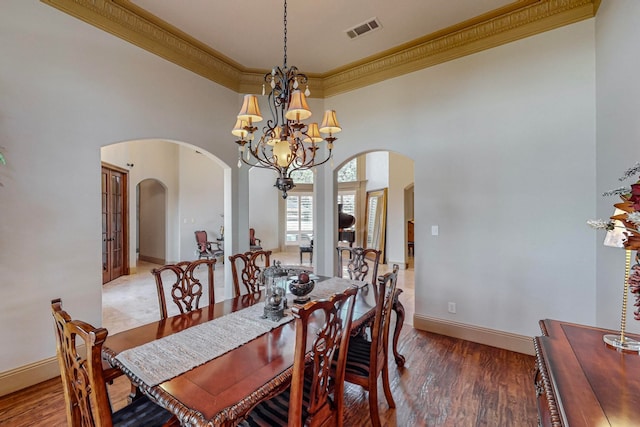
[(301, 288), (275, 279), (623, 230)]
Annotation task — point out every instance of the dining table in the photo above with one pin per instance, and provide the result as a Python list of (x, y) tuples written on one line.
[(204, 368)]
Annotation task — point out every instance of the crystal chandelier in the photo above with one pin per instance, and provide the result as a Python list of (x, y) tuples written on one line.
[(287, 144)]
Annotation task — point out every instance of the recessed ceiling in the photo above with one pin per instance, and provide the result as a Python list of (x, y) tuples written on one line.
[(250, 32), (234, 43)]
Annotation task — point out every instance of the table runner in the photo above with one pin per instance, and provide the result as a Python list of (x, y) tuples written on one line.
[(165, 358)]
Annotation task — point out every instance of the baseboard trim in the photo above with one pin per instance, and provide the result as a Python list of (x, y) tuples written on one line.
[(28, 375), (492, 337), (151, 259)]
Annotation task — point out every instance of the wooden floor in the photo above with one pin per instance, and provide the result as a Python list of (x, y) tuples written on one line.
[(445, 382)]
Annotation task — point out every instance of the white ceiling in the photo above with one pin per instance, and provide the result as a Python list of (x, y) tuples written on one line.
[(250, 32)]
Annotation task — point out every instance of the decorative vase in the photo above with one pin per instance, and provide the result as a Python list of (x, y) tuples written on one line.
[(301, 290)]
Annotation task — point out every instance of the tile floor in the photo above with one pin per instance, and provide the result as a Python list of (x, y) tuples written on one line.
[(131, 301)]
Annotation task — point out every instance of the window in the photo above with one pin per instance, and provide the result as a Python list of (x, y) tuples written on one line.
[(299, 217), (302, 176), (349, 172)]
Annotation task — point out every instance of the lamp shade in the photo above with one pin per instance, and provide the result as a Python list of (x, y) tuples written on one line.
[(250, 112), (239, 130), (313, 135), (282, 153), (298, 108), (330, 123)]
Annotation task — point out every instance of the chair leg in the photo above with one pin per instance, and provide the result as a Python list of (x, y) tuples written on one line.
[(386, 386), (373, 404)]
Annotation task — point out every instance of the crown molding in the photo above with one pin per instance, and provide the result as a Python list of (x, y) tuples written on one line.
[(533, 18), (518, 20)]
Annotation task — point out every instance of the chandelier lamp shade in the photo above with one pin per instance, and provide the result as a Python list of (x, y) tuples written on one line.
[(286, 143)]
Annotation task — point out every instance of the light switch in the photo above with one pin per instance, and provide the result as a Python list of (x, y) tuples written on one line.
[(434, 230)]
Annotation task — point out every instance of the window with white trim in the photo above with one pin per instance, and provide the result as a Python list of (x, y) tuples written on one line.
[(299, 217)]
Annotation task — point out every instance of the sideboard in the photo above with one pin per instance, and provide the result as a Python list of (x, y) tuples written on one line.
[(580, 381)]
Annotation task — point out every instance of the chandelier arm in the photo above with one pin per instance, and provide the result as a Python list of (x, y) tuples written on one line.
[(258, 165), (259, 155), (309, 166)]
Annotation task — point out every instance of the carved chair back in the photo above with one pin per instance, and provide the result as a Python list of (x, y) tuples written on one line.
[(386, 290), (186, 288), (358, 262), (86, 399), (84, 379), (333, 336), (246, 269), (366, 360), (322, 333)]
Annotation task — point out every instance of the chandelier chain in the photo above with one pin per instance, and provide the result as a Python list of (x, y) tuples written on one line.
[(285, 34)]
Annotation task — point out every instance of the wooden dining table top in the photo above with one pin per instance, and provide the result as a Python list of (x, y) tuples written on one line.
[(222, 390)]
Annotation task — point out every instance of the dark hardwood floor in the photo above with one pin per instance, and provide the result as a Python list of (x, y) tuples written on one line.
[(445, 382)]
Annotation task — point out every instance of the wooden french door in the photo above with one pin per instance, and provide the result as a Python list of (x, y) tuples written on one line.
[(114, 223)]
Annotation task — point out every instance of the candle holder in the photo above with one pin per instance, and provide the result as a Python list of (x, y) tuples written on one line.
[(275, 282)]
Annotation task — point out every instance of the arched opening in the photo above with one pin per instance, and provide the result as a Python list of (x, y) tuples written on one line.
[(175, 189), (151, 205), (378, 172)]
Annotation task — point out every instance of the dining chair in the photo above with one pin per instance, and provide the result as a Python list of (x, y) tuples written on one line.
[(206, 248), (367, 359), (246, 269), (85, 391), (186, 288), (307, 401), (255, 244), (306, 246), (357, 262)]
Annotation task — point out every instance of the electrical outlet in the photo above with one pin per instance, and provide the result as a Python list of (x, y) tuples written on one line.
[(452, 307)]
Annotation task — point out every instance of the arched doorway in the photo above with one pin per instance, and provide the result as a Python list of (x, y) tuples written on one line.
[(151, 207), (393, 172)]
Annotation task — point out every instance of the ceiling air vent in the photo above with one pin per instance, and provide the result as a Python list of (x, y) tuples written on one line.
[(364, 28)]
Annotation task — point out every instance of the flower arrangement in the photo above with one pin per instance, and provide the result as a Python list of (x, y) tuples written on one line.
[(628, 214), (627, 217)]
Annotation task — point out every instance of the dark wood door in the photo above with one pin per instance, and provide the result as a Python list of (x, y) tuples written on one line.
[(114, 223)]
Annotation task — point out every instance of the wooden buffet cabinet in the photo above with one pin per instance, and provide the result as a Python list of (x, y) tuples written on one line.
[(580, 381)]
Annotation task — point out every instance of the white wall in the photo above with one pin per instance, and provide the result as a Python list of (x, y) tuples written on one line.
[(504, 147), (618, 133), (201, 200), (263, 207), (68, 89), (377, 172), (153, 221), (401, 170)]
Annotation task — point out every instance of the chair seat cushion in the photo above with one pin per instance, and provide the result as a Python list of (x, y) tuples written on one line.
[(358, 356), (275, 411), (142, 412)]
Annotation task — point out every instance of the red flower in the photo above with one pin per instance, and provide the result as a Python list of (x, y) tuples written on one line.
[(635, 196)]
